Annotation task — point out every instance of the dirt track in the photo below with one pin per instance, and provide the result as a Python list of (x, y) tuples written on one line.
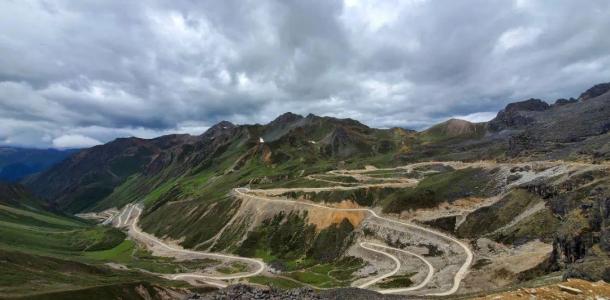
[(137, 234), (243, 192), (127, 218)]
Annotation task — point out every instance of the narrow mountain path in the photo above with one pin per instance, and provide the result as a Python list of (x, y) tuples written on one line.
[(367, 246), (460, 274), (414, 288), (129, 216), (136, 233)]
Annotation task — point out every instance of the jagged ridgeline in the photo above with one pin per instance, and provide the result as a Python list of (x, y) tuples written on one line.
[(185, 184)]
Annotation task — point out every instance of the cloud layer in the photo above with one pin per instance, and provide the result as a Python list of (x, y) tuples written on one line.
[(76, 73)]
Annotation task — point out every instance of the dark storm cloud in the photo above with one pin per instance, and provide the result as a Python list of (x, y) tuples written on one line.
[(83, 72)]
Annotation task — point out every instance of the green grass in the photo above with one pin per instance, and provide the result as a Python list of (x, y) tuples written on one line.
[(436, 188), (312, 278), (289, 244), (321, 269), (27, 275), (42, 252), (447, 185), (397, 281), (343, 275), (371, 196), (487, 219), (131, 255), (299, 182), (234, 267), (325, 275), (121, 253), (38, 217), (156, 194), (274, 282), (42, 232), (542, 225)]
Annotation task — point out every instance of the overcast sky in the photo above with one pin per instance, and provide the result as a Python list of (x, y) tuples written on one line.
[(78, 73)]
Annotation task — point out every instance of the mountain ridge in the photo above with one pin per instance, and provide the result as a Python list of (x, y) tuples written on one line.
[(297, 193), (91, 175)]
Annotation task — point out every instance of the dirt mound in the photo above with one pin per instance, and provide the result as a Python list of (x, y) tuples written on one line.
[(323, 218)]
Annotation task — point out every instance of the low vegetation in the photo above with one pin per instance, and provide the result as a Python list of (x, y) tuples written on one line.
[(441, 187), (289, 244), (491, 218), (37, 231), (396, 281)]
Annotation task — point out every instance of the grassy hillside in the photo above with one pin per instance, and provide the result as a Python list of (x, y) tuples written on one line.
[(287, 242), (501, 213), (39, 277), (445, 186), (185, 183), (44, 252), (38, 231)]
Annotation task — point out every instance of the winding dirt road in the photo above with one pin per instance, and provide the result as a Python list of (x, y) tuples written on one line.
[(127, 218), (243, 192), (136, 233), (398, 290)]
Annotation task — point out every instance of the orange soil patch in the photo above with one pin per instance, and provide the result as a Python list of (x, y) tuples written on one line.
[(323, 218), (586, 290), (266, 154)]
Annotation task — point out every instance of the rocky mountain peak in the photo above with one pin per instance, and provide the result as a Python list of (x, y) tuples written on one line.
[(596, 90), (223, 125), (516, 114), (531, 104), (311, 116), (286, 118), (218, 128), (563, 101)]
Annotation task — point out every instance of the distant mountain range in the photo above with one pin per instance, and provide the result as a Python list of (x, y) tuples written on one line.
[(574, 129), (17, 163)]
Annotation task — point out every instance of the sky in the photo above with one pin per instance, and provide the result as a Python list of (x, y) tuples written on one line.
[(81, 73)]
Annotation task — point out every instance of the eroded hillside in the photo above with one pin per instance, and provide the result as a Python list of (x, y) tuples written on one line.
[(323, 202)]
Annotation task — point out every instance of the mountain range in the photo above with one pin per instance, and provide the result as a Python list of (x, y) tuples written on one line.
[(527, 193), (18, 163), (114, 173)]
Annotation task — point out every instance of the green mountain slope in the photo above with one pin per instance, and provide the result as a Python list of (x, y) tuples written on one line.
[(185, 182), (43, 252), (27, 226), (181, 178)]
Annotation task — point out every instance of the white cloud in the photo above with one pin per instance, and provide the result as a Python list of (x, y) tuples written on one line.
[(74, 141), (517, 37), (478, 117), (146, 68)]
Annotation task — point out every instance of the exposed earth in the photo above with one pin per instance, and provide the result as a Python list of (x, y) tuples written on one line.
[(433, 276), (320, 207)]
